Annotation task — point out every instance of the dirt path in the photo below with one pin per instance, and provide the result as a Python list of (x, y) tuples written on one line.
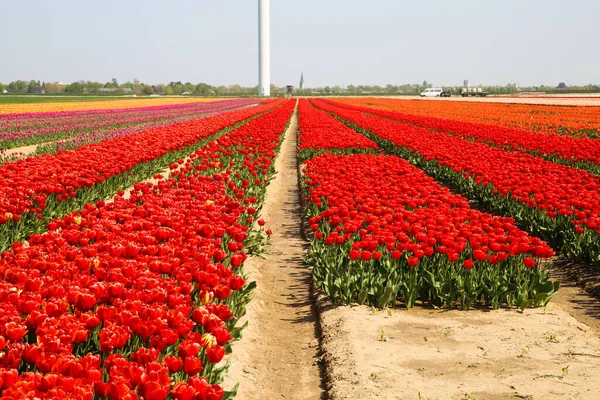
[(20, 151), (278, 355)]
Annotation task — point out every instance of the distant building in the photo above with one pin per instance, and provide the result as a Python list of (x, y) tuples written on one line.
[(113, 90), (301, 86), (466, 83)]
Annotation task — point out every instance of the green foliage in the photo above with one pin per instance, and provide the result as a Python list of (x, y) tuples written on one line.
[(148, 90), (74, 88), (202, 89), (17, 87), (34, 87), (177, 89)]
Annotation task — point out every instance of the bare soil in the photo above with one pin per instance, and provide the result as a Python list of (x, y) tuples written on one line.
[(21, 151), (438, 354), (278, 356)]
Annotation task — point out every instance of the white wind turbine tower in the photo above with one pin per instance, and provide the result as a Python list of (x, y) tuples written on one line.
[(264, 49)]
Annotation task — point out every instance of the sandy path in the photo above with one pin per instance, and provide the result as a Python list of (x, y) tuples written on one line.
[(278, 355), (21, 151)]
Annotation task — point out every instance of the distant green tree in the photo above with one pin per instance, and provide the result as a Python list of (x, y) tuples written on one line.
[(2, 88), (274, 89), (17, 87), (148, 90), (177, 89), (390, 89), (33, 87), (137, 86), (202, 89), (159, 89), (189, 87), (74, 88), (93, 86), (169, 90), (221, 90)]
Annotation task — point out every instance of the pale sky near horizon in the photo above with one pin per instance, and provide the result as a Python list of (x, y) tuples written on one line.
[(335, 42)]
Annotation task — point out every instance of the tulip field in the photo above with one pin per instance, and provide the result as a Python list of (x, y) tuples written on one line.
[(124, 232), (137, 297), (384, 230)]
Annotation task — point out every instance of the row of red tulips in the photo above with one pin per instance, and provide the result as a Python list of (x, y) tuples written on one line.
[(252, 154), (319, 133), (384, 230), (555, 202), (138, 298), (34, 190), (579, 152)]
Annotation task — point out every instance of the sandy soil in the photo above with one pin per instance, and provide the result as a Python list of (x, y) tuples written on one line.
[(20, 151), (436, 354), (278, 356)]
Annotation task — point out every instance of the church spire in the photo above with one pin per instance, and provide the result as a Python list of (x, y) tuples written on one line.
[(301, 80)]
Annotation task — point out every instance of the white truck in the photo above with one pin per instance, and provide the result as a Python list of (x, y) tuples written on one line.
[(473, 91)]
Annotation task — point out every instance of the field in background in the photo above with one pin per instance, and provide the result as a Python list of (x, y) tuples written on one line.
[(29, 104), (36, 99), (556, 100)]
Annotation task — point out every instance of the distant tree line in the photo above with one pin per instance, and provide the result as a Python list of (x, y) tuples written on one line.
[(203, 89), (136, 87)]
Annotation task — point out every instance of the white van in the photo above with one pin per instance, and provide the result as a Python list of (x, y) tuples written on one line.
[(432, 92)]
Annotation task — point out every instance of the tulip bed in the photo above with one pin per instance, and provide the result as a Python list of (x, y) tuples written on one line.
[(138, 298), (37, 189), (319, 133), (572, 121), (27, 129), (20, 105), (555, 202), (383, 231), (582, 153)]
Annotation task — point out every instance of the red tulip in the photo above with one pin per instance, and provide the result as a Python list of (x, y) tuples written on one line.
[(215, 354), (192, 366), (173, 363)]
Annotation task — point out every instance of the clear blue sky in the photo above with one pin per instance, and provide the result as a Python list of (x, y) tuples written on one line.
[(335, 42)]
